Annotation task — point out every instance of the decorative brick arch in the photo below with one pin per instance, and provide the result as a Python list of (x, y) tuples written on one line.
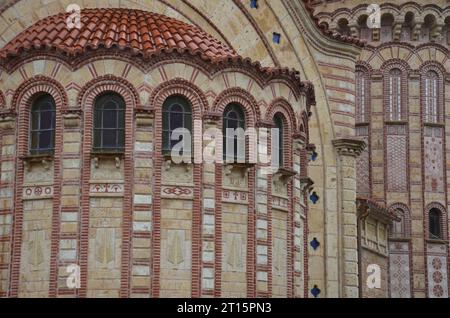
[(241, 97), (199, 105), (182, 87), (86, 99), (22, 101), (443, 219), (406, 217)]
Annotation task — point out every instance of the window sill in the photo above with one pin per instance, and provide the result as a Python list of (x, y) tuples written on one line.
[(45, 159), (117, 156), (396, 122), (434, 124), (437, 241)]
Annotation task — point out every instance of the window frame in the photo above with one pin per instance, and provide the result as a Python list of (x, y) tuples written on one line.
[(119, 128), (281, 138), (186, 113), (39, 102), (241, 123)]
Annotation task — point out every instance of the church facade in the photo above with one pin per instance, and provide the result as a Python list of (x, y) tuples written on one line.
[(92, 203)]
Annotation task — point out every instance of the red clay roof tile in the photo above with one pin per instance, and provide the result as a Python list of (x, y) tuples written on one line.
[(140, 31)]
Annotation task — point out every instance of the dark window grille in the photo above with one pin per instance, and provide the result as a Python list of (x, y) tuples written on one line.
[(42, 128)]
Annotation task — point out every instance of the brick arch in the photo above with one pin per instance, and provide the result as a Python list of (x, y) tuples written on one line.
[(179, 86), (443, 217), (22, 101), (111, 83), (241, 97), (86, 99), (406, 216), (281, 105)]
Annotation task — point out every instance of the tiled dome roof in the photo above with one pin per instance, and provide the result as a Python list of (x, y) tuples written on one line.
[(142, 32)]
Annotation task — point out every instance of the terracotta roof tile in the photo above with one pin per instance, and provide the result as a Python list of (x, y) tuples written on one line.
[(139, 31)]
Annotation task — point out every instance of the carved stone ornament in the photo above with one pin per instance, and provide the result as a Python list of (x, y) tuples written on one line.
[(349, 147), (306, 185), (117, 157), (44, 160)]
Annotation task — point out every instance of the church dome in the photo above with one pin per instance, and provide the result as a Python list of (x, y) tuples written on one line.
[(142, 33)]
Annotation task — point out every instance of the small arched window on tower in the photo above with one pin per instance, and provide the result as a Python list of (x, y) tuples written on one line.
[(434, 224), (365, 32), (109, 123), (42, 128), (343, 28), (234, 134), (277, 141), (407, 27), (387, 23), (427, 28), (431, 91), (394, 110), (177, 125), (446, 37)]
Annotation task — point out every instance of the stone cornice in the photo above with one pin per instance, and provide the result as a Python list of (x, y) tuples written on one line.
[(349, 146)]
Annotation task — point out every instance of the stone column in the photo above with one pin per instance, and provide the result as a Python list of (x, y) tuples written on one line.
[(348, 150)]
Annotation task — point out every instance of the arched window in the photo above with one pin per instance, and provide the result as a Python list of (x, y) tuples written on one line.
[(109, 123), (343, 27), (177, 115), (42, 129), (431, 91), (434, 224), (400, 228), (277, 141), (361, 97), (387, 22), (365, 32), (407, 27), (395, 95), (233, 134)]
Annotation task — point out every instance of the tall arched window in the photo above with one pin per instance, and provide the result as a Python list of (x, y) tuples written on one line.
[(395, 95), (361, 97), (109, 123), (42, 129), (387, 23), (177, 115), (233, 134), (431, 91), (434, 224), (277, 141)]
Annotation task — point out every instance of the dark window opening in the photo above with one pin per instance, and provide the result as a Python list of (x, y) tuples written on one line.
[(233, 134), (434, 219), (176, 114), (109, 123), (42, 130)]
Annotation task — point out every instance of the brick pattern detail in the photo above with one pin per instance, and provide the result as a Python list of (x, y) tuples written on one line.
[(437, 270), (396, 152), (434, 161), (399, 270)]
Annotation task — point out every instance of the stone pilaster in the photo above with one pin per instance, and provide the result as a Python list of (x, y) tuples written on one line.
[(8, 149), (348, 150)]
